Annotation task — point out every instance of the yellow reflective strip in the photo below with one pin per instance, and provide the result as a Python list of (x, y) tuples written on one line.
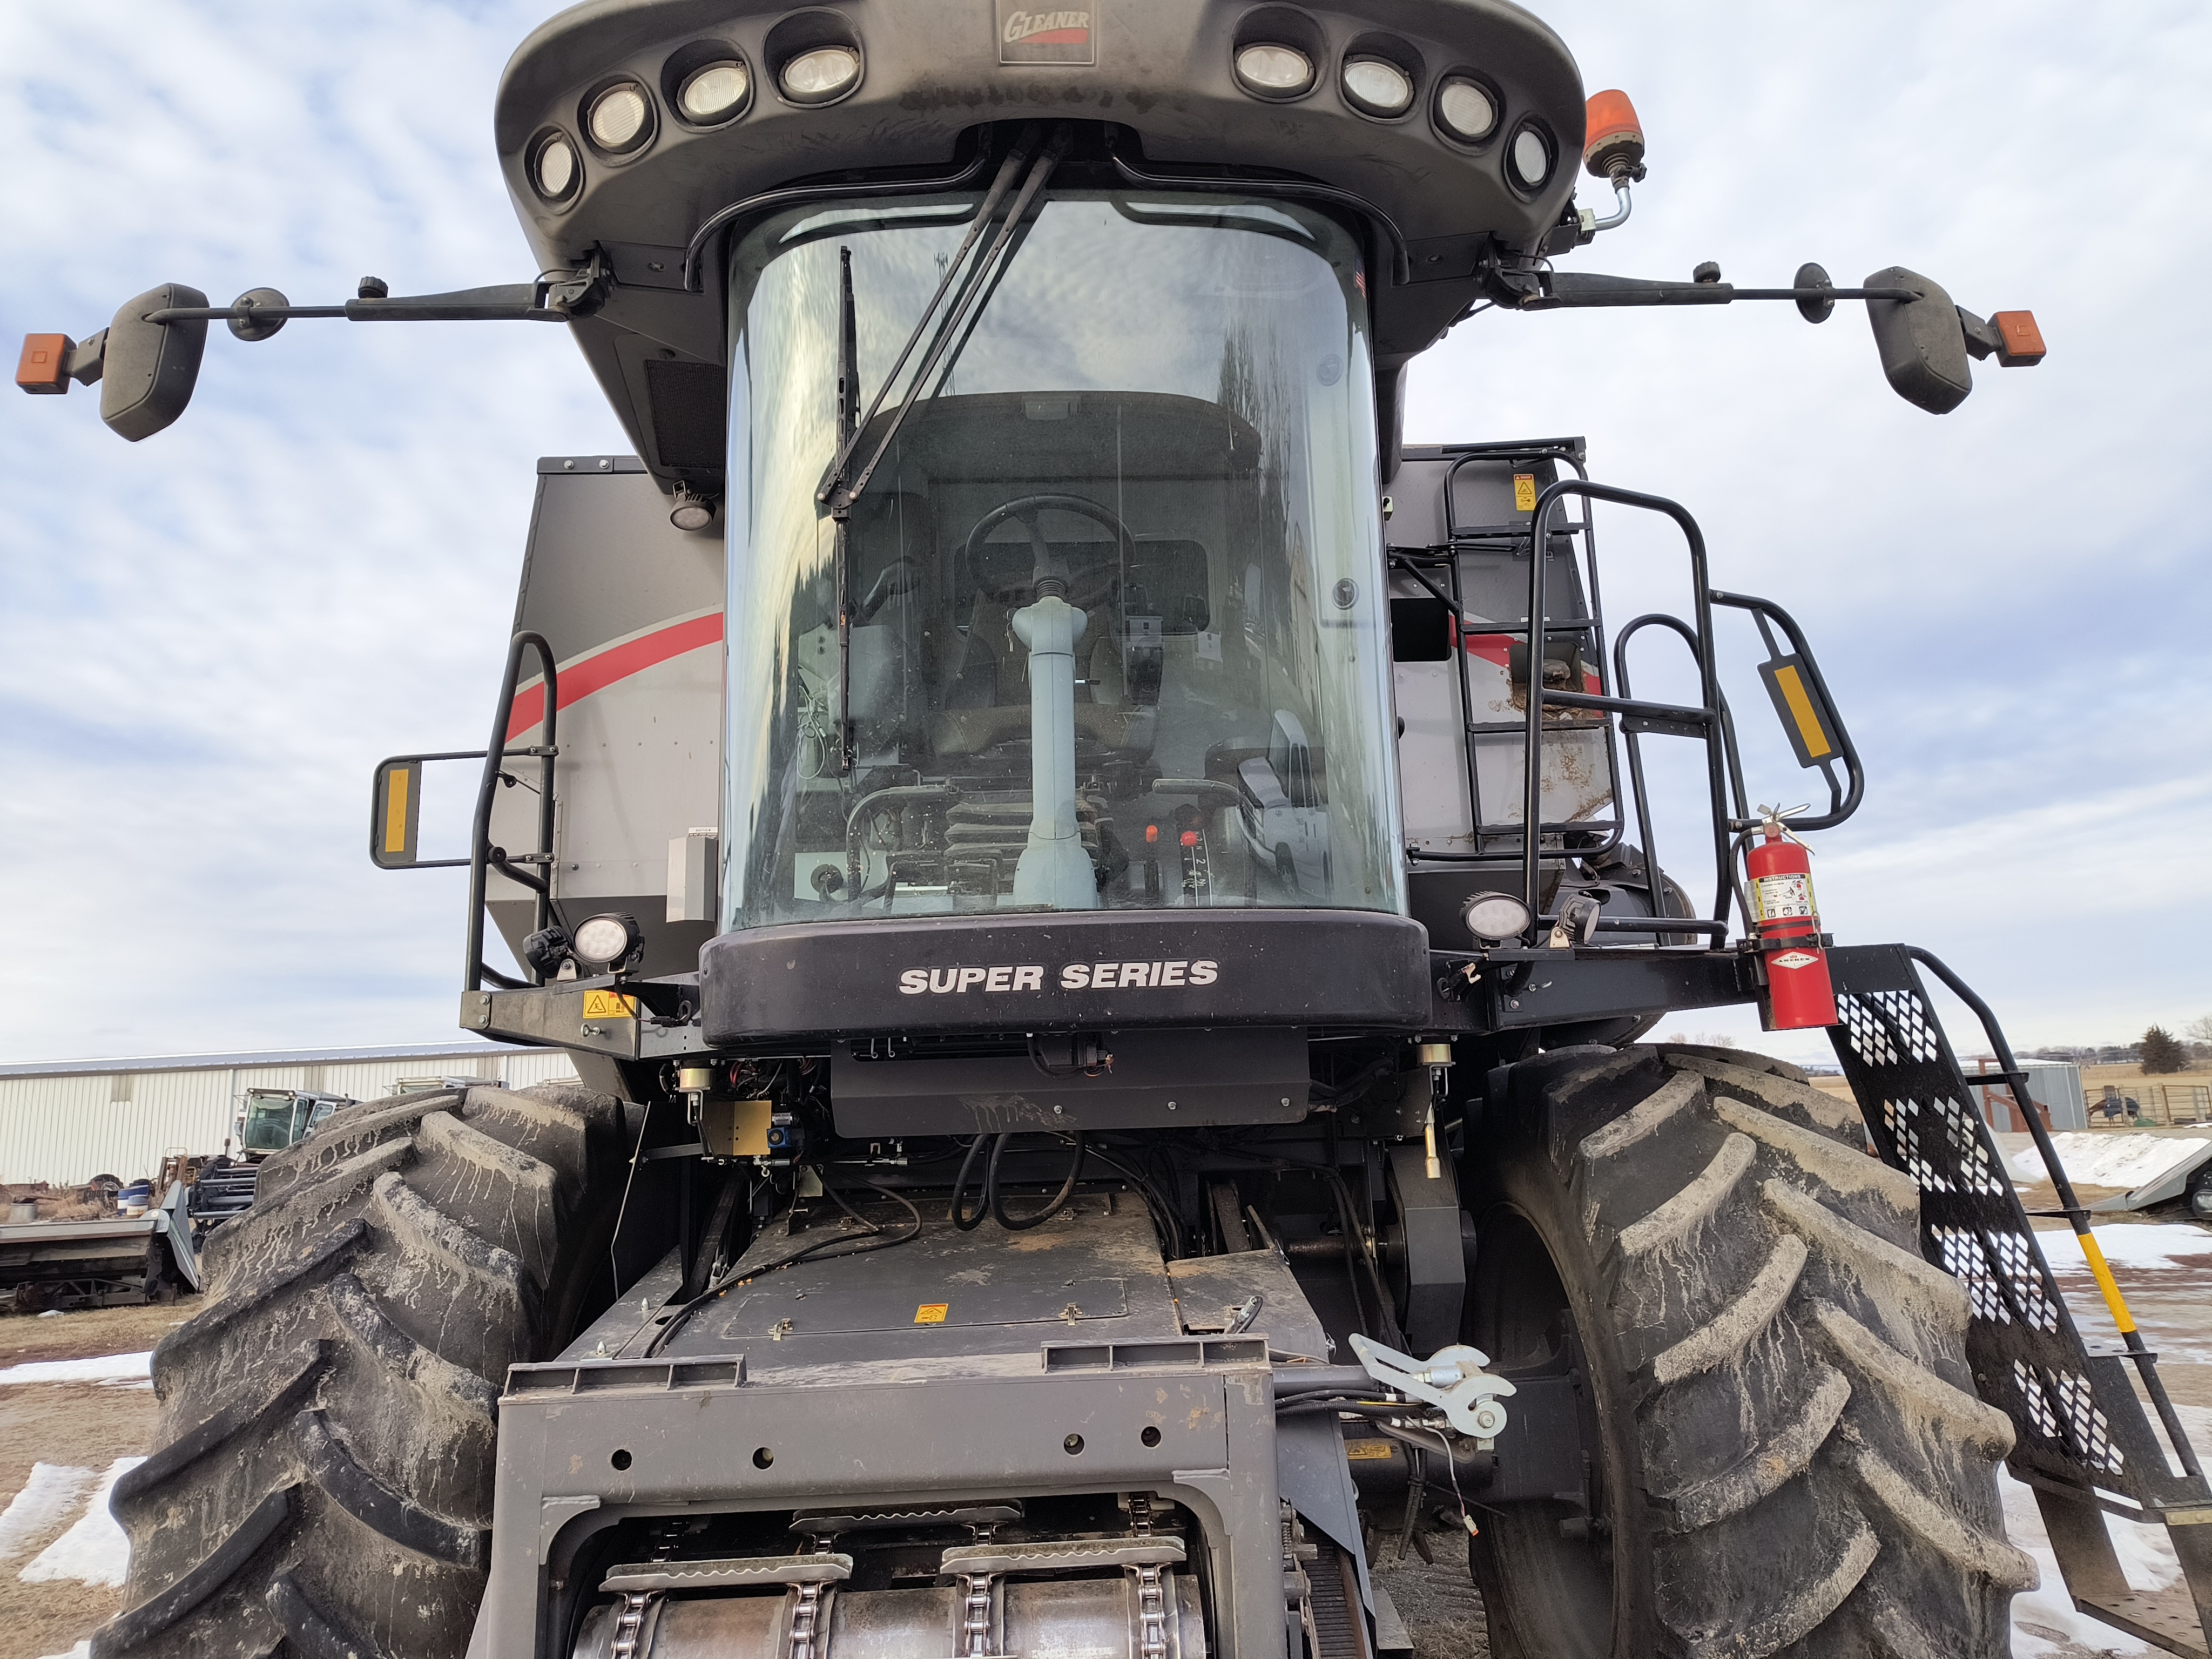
[(2105, 1283), (1801, 710), (395, 810)]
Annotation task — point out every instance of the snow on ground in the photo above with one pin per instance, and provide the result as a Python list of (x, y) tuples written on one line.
[(2107, 1159), (114, 1370), (46, 1499), (2044, 1621), (82, 1650), (95, 1550), (2126, 1244)]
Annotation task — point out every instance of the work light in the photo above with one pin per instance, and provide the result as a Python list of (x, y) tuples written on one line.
[(816, 77), (1465, 109), (714, 93), (1493, 918), (620, 119), (607, 941), (1271, 70), (553, 169), (1377, 86), (1530, 161)]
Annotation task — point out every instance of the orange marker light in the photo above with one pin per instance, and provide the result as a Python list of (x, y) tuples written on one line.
[(1152, 835), (1614, 138), (43, 366), (1190, 837), (2023, 340)]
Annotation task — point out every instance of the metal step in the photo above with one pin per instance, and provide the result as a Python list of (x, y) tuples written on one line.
[(2084, 1441)]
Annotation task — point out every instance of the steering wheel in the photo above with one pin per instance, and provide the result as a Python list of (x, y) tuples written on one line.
[(1025, 509)]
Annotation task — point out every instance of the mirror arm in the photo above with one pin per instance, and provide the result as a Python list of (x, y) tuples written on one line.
[(543, 302), (1565, 290)]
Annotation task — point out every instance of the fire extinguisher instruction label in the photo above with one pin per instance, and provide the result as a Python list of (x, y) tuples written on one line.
[(1780, 898)]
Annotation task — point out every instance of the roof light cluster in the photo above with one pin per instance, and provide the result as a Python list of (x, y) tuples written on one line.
[(1382, 78), (704, 85)]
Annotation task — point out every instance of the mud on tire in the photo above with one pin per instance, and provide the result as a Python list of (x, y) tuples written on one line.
[(323, 1486), (1790, 1455)]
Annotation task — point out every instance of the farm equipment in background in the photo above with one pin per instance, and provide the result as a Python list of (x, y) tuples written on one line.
[(267, 1121), (104, 1260), (1163, 868)]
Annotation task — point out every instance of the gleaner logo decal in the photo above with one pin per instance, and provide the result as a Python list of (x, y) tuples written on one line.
[(1073, 976), (1062, 36)]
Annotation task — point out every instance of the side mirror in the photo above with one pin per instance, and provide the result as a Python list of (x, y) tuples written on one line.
[(1922, 342), (149, 369)]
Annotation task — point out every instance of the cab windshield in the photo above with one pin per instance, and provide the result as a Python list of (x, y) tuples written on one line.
[(1105, 628)]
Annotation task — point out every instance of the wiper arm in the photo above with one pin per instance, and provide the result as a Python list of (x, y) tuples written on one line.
[(847, 435), (976, 281)]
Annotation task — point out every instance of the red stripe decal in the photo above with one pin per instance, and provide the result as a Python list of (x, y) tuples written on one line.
[(618, 662), (1491, 647), (1497, 648), (1056, 37)]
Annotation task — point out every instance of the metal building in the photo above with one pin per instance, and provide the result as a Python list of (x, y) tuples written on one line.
[(65, 1121)]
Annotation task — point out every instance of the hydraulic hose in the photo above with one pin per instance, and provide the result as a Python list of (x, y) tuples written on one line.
[(968, 1224), (996, 1203)]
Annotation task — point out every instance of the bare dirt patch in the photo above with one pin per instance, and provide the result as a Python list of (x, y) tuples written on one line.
[(96, 1331), (83, 1424)]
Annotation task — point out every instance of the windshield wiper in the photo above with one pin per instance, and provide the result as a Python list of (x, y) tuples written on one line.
[(974, 280)]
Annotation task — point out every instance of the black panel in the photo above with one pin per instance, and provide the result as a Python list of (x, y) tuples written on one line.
[(690, 417), (1033, 972), (1420, 630), (1186, 1079)]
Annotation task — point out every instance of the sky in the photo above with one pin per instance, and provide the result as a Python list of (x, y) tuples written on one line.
[(207, 639)]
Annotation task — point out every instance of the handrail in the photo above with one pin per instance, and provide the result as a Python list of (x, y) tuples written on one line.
[(1841, 802), (1708, 713), (483, 854)]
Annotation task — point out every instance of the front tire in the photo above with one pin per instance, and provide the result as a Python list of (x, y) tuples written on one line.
[(323, 1484), (1787, 1453)]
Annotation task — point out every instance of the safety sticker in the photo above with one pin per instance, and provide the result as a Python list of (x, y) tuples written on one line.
[(931, 1313), (1524, 492), (1795, 959), (608, 1005), (1779, 898), (1368, 1451)]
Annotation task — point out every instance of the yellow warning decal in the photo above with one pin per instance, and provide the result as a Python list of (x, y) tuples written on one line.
[(608, 1005), (1368, 1451), (1524, 492), (1801, 710), (931, 1313)]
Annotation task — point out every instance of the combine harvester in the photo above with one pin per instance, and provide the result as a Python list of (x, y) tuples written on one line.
[(1133, 1084)]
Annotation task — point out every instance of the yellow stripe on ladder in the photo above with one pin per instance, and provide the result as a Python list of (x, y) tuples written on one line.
[(2106, 1283)]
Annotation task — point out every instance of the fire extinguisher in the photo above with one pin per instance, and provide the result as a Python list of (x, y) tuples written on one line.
[(1787, 921)]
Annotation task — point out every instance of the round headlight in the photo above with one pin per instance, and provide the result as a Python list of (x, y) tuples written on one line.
[(714, 93), (816, 77), (554, 169), (1377, 86), (620, 119), (1276, 70), (1466, 110), (1491, 917), (602, 941), (1530, 159)]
